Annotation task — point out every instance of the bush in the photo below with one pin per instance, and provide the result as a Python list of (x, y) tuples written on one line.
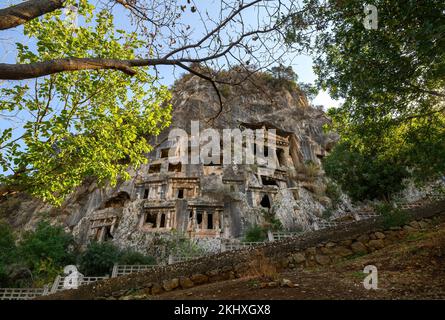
[(133, 257), (38, 258), (310, 170), (8, 249), (8, 252), (275, 224), (187, 247), (45, 271), (392, 216), (333, 192), (3, 276), (9, 205), (98, 259), (255, 233), (47, 242), (327, 214), (272, 222)]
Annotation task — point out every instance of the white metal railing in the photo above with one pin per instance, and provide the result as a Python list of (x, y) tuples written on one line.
[(281, 235), (362, 215), (411, 205), (22, 293), (58, 284), (231, 245), (172, 259), (327, 224), (123, 269), (30, 293)]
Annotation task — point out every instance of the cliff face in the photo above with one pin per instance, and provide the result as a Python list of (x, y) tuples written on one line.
[(208, 202)]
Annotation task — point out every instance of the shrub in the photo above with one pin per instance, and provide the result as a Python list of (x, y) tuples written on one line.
[(37, 259), (133, 257), (8, 249), (333, 192), (255, 233), (184, 246), (392, 216), (7, 252), (9, 205), (225, 91), (275, 224), (310, 170), (327, 214), (45, 271), (47, 242), (272, 222), (98, 259), (3, 276), (260, 266)]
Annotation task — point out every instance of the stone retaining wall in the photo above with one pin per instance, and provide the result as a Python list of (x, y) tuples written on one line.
[(320, 247)]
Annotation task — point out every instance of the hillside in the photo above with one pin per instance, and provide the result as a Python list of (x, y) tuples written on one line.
[(329, 265), (411, 269)]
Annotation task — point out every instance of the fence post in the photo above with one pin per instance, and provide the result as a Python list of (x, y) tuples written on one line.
[(114, 272), (170, 259), (45, 290), (270, 236), (223, 246), (55, 285)]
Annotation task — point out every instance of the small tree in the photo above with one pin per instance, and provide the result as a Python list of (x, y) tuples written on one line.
[(281, 72)]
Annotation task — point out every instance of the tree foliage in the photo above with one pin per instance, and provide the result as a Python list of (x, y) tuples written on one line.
[(99, 258), (392, 81), (255, 233), (46, 243), (83, 124), (133, 257), (37, 258), (364, 176), (281, 72), (42, 253), (89, 120), (8, 252)]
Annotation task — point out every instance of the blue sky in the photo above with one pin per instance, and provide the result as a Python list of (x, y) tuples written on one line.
[(301, 64)]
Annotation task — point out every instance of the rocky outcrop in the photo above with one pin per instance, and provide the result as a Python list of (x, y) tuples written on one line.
[(210, 202)]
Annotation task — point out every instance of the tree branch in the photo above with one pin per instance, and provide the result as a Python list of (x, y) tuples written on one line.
[(19, 14), (39, 69)]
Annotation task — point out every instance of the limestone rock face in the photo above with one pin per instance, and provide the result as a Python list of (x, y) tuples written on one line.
[(212, 202)]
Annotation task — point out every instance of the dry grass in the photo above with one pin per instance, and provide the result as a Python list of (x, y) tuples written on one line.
[(261, 266), (308, 172)]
